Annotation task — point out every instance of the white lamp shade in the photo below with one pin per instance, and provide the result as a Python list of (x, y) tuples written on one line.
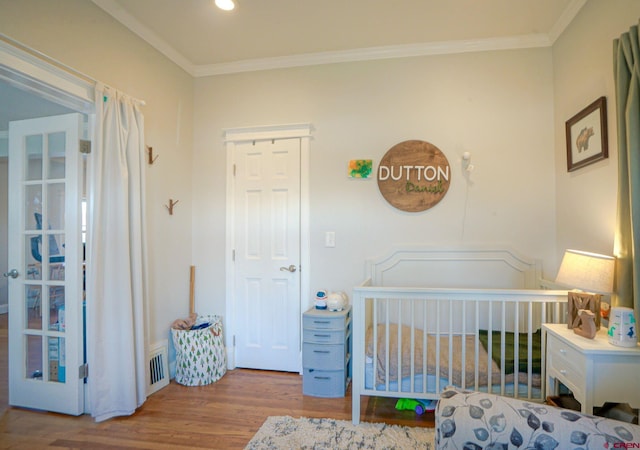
[(589, 272)]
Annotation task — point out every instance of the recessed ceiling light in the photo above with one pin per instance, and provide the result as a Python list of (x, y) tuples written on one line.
[(226, 5)]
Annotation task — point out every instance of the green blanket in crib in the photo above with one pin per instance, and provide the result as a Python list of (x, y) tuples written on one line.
[(523, 340)]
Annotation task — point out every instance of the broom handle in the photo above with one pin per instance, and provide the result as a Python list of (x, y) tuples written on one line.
[(192, 281)]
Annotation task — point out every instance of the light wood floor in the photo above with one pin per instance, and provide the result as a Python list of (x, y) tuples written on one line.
[(223, 415)]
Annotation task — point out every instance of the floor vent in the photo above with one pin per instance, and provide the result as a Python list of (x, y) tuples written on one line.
[(158, 367)]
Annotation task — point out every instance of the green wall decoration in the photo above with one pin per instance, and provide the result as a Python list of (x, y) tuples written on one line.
[(360, 168)]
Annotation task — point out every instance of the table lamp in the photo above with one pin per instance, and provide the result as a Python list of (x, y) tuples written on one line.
[(592, 275)]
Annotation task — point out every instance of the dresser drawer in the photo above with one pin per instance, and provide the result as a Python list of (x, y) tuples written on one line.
[(323, 336), (329, 357), (324, 383), (322, 319)]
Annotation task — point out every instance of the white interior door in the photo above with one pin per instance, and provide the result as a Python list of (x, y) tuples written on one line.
[(45, 262), (267, 254)]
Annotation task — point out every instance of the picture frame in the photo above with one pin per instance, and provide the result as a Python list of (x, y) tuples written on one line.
[(586, 134)]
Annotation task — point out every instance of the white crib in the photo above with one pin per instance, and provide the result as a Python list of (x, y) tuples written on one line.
[(412, 338)]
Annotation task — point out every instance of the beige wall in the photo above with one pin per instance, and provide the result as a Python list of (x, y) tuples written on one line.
[(506, 107), (80, 35), (583, 71), (496, 105)]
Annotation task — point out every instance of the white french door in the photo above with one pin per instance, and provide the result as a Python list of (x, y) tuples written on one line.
[(45, 262), (267, 254)]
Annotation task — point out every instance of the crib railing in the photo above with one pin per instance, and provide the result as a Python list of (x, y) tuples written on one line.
[(446, 322)]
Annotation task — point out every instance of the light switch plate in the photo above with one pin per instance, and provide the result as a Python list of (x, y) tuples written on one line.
[(330, 239)]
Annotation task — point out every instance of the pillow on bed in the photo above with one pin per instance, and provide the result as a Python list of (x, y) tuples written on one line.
[(523, 339)]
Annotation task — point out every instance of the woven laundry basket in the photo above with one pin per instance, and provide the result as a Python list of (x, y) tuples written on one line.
[(200, 354)]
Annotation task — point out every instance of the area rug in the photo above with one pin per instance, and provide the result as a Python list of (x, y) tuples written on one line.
[(284, 432)]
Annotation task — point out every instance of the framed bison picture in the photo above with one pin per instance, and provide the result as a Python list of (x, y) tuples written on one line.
[(587, 136)]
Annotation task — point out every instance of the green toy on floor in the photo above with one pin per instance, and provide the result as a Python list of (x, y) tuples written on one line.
[(419, 406)]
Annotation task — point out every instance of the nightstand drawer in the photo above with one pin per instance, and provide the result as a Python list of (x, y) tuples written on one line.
[(564, 356), (323, 336), (326, 320), (329, 357), (567, 362), (568, 372)]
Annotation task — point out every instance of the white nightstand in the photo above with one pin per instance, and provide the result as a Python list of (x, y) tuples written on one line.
[(594, 370)]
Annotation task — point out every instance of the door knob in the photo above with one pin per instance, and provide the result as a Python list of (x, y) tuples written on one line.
[(13, 273), (291, 268)]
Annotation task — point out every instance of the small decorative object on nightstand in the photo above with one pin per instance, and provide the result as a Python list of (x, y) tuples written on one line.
[(587, 326), (590, 272)]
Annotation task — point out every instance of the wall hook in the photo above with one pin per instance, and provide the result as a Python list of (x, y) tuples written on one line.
[(150, 158), (171, 205)]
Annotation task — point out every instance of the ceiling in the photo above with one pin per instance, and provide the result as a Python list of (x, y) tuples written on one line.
[(265, 34)]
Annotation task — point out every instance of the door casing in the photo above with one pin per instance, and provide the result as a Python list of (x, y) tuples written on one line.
[(232, 137)]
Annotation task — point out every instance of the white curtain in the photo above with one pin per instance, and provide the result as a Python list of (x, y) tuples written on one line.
[(116, 258)]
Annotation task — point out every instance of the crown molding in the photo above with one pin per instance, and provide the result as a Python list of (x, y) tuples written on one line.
[(374, 53), (361, 54), (565, 19)]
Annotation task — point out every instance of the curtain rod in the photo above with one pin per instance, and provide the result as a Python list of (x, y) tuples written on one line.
[(49, 60)]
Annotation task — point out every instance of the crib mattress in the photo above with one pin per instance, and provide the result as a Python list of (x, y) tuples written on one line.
[(453, 370), (419, 385)]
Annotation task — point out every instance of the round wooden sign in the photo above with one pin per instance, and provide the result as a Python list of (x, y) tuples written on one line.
[(414, 176)]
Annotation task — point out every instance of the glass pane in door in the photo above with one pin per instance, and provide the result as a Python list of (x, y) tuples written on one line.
[(32, 306), (56, 359), (32, 256), (33, 366), (55, 206), (56, 308), (33, 207), (56, 153), (34, 150)]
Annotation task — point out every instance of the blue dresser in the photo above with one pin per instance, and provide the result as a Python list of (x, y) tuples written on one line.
[(326, 352)]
